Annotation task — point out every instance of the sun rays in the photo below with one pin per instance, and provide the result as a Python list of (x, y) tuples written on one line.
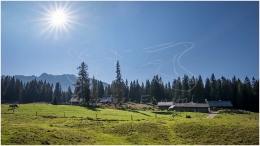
[(58, 19)]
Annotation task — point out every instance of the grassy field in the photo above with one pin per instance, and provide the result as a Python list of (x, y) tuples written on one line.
[(65, 124)]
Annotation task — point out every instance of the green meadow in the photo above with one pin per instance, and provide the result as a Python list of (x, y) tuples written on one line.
[(66, 124)]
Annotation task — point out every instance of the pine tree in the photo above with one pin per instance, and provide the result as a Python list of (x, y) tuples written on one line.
[(155, 88), (192, 90), (199, 91), (9, 92), (234, 92), (94, 91), (142, 89), (219, 90), (137, 95), (174, 91), (147, 87), (57, 92), (68, 94), (168, 90), (240, 99), (126, 90), (213, 88), (207, 90), (177, 89), (108, 90), (185, 87), (247, 94), (131, 91), (83, 85), (255, 95), (118, 86), (101, 90)]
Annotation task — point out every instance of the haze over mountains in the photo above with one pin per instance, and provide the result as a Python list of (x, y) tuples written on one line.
[(65, 80)]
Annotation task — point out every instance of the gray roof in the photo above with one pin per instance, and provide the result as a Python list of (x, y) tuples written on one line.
[(220, 104), (191, 105), (165, 103), (75, 99), (107, 99)]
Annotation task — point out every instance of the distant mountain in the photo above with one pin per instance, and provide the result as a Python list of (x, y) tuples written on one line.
[(65, 80)]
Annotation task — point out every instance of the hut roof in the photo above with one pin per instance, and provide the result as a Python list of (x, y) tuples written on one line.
[(191, 105), (220, 104), (165, 103), (75, 99)]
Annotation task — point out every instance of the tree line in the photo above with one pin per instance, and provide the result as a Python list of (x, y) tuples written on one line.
[(242, 94), (14, 90)]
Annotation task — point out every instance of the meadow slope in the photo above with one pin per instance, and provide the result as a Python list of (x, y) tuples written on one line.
[(64, 124)]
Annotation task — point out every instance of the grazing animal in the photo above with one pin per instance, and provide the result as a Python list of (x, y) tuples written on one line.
[(12, 106), (188, 116)]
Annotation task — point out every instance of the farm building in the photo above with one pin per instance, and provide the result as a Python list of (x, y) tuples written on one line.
[(191, 107), (75, 100), (164, 105), (107, 99), (216, 105), (195, 107)]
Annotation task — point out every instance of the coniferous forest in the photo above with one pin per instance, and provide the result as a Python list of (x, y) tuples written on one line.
[(244, 94)]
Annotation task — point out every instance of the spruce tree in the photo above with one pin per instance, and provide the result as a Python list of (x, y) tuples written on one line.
[(213, 87), (94, 91), (147, 87), (199, 91), (126, 90), (68, 94), (101, 90), (192, 83), (118, 86), (57, 92), (207, 90), (185, 87), (83, 85), (174, 91)]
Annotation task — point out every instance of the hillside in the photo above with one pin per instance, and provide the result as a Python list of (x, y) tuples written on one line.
[(75, 125)]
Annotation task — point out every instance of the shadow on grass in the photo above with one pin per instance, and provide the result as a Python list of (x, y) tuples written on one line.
[(93, 108), (140, 113), (163, 113)]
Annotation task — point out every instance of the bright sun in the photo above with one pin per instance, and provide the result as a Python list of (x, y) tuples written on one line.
[(58, 17)]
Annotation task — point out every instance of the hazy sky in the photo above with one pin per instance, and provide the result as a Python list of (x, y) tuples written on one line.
[(147, 38)]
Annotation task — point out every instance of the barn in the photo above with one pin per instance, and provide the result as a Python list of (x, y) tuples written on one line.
[(191, 107), (164, 105), (107, 99), (75, 100), (216, 105)]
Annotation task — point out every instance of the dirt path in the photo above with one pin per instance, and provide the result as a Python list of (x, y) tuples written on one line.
[(211, 116)]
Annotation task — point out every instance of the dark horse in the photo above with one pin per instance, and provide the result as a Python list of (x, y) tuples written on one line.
[(12, 106)]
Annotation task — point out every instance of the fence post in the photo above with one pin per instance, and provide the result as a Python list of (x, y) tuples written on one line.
[(96, 116), (132, 118), (36, 113)]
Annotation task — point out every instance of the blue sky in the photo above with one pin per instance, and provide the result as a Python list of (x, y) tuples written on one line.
[(147, 38)]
